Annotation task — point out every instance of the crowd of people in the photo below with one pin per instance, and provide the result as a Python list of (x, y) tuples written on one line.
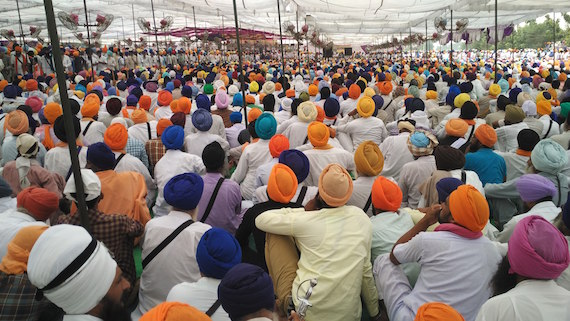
[(402, 189)]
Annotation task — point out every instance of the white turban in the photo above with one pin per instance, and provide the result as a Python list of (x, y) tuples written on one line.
[(54, 251), (119, 120), (529, 107), (232, 90), (91, 186)]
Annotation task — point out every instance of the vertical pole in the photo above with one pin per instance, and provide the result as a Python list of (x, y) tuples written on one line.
[(196, 36), (241, 76), (155, 32), (89, 50), (135, 33), (496, 39), (123, 24), (67, 114), (554, 42), (402, 50), (427, 56), (20, 21), (298, 44), (451, 51), (410, 39), (281, 39), (308, 58)]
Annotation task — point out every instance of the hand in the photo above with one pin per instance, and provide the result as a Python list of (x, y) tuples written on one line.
[(312, 204), (294, 316), (353, 112), (332, 132), (432, 214), (376, 317)]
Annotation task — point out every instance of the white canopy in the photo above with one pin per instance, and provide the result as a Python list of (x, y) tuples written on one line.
[(342, 21)]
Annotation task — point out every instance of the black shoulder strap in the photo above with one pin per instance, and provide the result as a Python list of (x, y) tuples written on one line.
[(384, 108), (213, 308), (368, 203), (306, 140), (334, 123), (118, 160), (2, 116), (212, 200), (165, 242), (71, 167), (559, 191), (549, 128), (471, 134), (463, 177), (301, 197), (87, 127), (148, 131)]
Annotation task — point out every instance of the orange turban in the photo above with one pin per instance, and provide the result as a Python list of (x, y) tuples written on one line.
[(144, 102), (386, 195), (278, 86), (456, 127), (277, 144), (290, 93), (184, 105), (164, 98), (116, 137), (39, 202), (431, 94), (174, 311), (174, 105), (282, 184), (31, 85), (544, 107), (313, 90), (52, 111), (341, 91), (368, 159), (436, 311), (253, 114), (318, 134), (562, 77), (320, 113), (139, 116), (3, 83), (17, 122), (385, 87), (335, 185), (249, 99), (92, 98), (486, 135), (162, 125), (354, 91), (469, 208), (18, 250), (90, 108)]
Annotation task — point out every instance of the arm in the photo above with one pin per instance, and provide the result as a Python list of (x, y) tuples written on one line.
[(241, 169), (368, 290), (504, 190), (279, 221)]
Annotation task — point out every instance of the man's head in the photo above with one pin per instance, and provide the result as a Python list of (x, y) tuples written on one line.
[(183, 192), (77, 273), (485, 136), (466, 207), (368, 159), (386, 195), (437, 311), (214, 157), (174, 311), (335, 185), (527, 139), (91, 188), (282, 184), (548, 156), (422, 143), (534, 188), (448, 158), (218, 251), (37, 202)]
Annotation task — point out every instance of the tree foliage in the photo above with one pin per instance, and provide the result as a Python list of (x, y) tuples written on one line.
[(531, 35)]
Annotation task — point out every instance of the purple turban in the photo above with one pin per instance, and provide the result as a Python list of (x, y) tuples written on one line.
[(534, 187)]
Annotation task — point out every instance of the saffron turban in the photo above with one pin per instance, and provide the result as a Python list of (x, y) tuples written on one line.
[(277, 144), (354, 91), (335, 185), (39, 202), (217, 252), (164, 98), (90, 108), (456, 127), (318, 134), (469, 208), (368, 159), (184, 105), (162, 125), (145, 102), (282, 184), (253, 114), (543, 107), (537, 250), (174, 311), (17, 122), (486, 135), (18, 250), (386, 195), (436, 311), (116, 137), (139, 116), (184, 191)]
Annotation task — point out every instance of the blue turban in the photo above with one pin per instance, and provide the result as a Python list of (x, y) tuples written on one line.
[(122, 86), (381, 77), (331, 107), (10, 91), (202, 120), (218, 251), (100, 155), (419, 139), (184, 191), (504, 84), (265, 126), (513, 94), (169, 86), (186, 91), (132, 100), (137, 91), (566, 213), (81, 88), (112, 91), (446, 186), (203, 102), (549, 156), (297, 161), (194, 91), (238, 100), (378, 101), (173, 137), (210, 78), (453, 92), (345, 95), (5, 189), (246, 289), (236, 117)]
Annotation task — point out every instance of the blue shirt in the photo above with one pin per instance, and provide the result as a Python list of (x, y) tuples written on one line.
[(489, 165)]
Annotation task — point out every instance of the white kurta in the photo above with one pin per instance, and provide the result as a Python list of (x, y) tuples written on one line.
[(320, 158), (11, 221), (361, 190), (547, 210), (411, 176), (516, 164), (507, 137), (297, 134), (58, 160), (140, 131), (195, 143), (201, 294), (253, 156), (396, 153), (95, 133), (362, 129)]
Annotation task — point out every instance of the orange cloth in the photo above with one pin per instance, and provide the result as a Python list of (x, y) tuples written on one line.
[(436, 311), (144, 102), (486, 135), (277, 144), (456, 127), (162, 125), (124, 193), (278, 86), (39, 202), (368, 159), (92, 98), (90, 108), (341, 91), (184, 105), (139, 116), (282, 184), (116, 137), (562, 77), (313, 90), (386, 195), (431, 94), (385, 87), (174, 311), (365, 106), (253, 114), (52, 111), (249, 99), (17, 122), (469, 208), (290, 93), (3, 83), (544, 107), (320, 113), (18, 250), (354, 91), (31, 85), (318, 134), (335, 185), (164, 98)]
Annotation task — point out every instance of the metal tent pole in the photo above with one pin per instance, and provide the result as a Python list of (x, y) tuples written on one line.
[(67, 115), (496, 38), (196, 34), (427, 56), (281, 39), (451, 51), (135, 33), (155, 33), (241, 76), (410, 39), (298, 44), (123, 24), (20, 22), (89, 52), (554, 42)]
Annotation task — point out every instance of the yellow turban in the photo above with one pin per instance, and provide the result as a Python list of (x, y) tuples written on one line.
[(461, 99), (18, 250), (369, 92), (365, 107), (318, 134), (431, 94), (544, 107), (368, 159)]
